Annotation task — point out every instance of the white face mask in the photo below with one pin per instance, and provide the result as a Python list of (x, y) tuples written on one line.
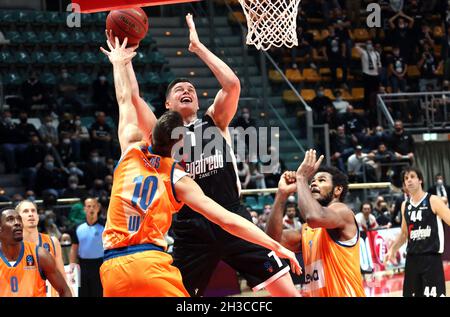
[(439, 182)]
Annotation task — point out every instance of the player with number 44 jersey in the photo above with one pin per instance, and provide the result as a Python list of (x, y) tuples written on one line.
[(148, 188)]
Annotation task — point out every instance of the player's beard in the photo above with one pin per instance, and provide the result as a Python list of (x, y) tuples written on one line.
[(325, 201)]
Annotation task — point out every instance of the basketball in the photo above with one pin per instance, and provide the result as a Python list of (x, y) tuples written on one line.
[(131, 23)]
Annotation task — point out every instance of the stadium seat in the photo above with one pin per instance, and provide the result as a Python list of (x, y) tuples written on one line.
[(9, 16), (95, 38), (329, 93), (265, 200), (141, 58), (290, 97), (30, 37), (56, 18), (26, 17), (237, 17), (294, 75), (360, 35), (63, 37), (14, 37), (7, 58), (151, 78), (40, 17), (358, 94), (99, 18), (355, 54), (166, 77), (275, 76), (317, 36), (71, 57), (90, 58), (47, 38), (82, 79), (55, 57), (438, 32), (308, 94), (157, 58), (251, 202), (79, 38), (23, 57), (311, 75), (147, 39), (413, 71), (48, 78), (87, 121), (12, 78)]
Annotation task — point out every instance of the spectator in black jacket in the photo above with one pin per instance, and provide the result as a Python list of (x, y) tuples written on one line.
[(439, 188)]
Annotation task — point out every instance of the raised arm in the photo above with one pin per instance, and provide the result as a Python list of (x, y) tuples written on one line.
[(192, 195), (146, 117), (128, 129), (48, 265), (274, 227), (336, 215), (226, 101)]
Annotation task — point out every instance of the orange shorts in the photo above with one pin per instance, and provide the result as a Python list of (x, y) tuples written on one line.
[(142, 274)]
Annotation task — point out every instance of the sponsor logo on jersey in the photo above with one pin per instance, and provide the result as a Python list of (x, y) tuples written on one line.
[(420, 234), (29, 260), (46, 247), (314, 276), (208, 165)]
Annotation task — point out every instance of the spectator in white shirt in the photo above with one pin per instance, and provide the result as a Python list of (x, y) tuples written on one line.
[(365, 219)]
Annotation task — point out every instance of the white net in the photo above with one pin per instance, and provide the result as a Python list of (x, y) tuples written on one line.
[(271, 22)]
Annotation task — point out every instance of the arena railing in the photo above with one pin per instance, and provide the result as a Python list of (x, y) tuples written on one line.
[(421, 112)]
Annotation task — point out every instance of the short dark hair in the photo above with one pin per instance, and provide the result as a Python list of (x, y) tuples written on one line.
[(176, 81), (4, 210), (338, 178), (366, 203), (409, 169), (162, 141)]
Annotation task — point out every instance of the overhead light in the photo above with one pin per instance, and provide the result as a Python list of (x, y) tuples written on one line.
[(168, 33), (296, 157), (277, 135), (192, 73), (263, 114), (179, 53), (205, 94)]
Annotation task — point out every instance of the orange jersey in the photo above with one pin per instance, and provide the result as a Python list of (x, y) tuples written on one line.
[(24, 279), (142, 199), (332, 269), (46, 242)]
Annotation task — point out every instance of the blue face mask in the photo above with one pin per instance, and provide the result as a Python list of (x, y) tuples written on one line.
[(49, 165)]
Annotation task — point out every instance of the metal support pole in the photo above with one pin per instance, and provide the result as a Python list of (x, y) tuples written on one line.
[(212, 30), (265, 85)]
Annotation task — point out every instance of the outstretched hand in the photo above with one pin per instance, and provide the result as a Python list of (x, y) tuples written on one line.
[(193, 36), (119, 53), (287, 184), (309, 165), (284, 253)]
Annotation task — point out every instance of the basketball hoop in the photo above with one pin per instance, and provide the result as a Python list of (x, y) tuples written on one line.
[(271, 22)]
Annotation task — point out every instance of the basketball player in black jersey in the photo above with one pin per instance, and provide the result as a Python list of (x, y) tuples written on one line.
[(199, 244), (422, 227)]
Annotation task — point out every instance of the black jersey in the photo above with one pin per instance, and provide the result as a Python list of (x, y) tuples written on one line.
[(210, 161), (425, 230)]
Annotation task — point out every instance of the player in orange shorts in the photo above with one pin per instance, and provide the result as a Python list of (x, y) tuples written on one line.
[(24, 266), (30, 219), (149, 186), (329, 239)]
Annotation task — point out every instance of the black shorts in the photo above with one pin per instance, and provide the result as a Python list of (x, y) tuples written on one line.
[(200, 245), (424, 276)]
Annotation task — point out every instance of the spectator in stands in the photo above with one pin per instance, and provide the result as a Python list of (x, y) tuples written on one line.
[(94, 169), (371, 65), (34, 92), (245, 120), (342, 26), (353, 122), (108, 181), (445, 53), (76, 215), (257, 180), (401, 31), (330, 117), (30, 195), (101, 135), (291, 219), (383, 157), (304, 50), (101, 94), (319, 104), (68, 127), (81, 135), (243, 174), (365, 219), (429, 66), (25, 130), (68, 90), (33, 157), (397, 71), (335, 53), (48, 132), (75, 170), (98, 189), (439, 188), (342, 146), (65, 149), (339, 103), (73, 190), (360, 166), (382, 213), (426, 36), (49, 176), (50, 224), (354, 9), (110, 165), (87, 249), (402, 143), (11, 145)]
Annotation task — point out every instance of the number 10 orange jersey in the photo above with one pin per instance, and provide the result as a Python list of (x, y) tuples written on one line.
[(142, 199)]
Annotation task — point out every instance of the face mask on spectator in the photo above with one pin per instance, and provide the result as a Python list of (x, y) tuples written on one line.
[(439, 182), (102, 78), (8, 120), (49, 165), (338, 98), (66, 141), (320, 93), (379, 133), (31, 198), (65, 75), (246, 115), (73, 170), (48, 124), (78, 122), (369, 47), (49, 145), (95, 159), (73, 185)]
